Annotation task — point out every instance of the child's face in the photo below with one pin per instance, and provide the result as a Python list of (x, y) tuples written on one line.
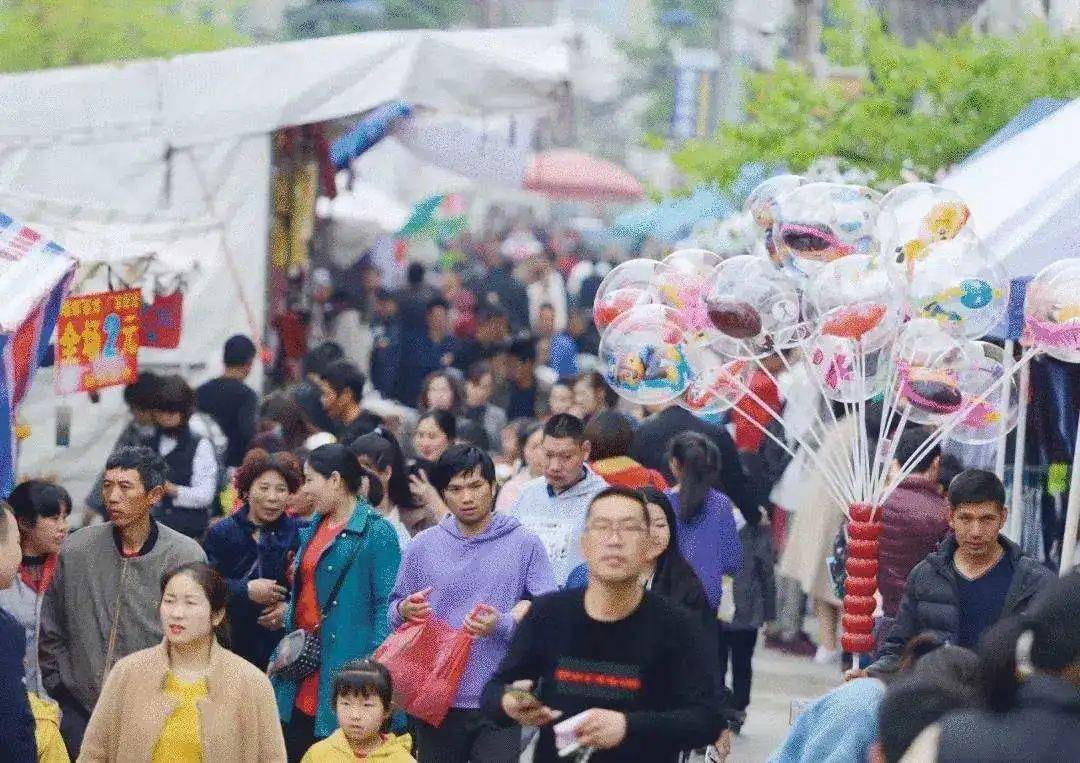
[(361, 717)]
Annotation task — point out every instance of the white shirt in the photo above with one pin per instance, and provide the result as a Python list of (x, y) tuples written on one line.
[(200, 493)]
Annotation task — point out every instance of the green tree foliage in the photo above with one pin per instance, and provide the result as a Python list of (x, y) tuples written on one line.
[(922, 107), (41, 34), (331, 17)]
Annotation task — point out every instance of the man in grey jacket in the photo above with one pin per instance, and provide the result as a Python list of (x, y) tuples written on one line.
[(102, 603)]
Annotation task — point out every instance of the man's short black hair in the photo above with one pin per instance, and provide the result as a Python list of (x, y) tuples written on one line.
[(489, 312), (342, 375), (913, 439), (617, 491), (523, 349), (437, 302), (563, 425), (239, 351), (152, 470), (457, 459), (976, 486), (415, 273), (609, 433), (320, 356)]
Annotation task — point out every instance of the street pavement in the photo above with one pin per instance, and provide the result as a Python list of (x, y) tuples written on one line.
[(778, 679)]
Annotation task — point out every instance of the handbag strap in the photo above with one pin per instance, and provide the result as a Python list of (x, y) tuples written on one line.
[(331, 601)]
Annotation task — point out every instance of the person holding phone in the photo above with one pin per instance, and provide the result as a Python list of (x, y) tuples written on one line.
[(476, 570), (252, 550), (628, 672)]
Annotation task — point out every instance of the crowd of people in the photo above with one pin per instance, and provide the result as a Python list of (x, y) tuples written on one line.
[(241, 558)]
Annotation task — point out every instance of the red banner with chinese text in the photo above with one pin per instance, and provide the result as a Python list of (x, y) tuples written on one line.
[(97, 341)]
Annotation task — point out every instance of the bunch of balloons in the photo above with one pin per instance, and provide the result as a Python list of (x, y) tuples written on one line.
[(850, 278)]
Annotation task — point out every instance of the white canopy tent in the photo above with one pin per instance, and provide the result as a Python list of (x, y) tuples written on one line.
[(176, 154), (1024, 195)]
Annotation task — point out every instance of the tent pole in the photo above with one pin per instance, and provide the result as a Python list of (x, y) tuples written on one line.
[(1003, 430), (1072, 515), (1016, 507)]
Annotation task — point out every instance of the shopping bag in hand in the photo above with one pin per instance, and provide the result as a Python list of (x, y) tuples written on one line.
[(426, 661)]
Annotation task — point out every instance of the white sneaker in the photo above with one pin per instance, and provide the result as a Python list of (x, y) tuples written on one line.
[(825, 656)]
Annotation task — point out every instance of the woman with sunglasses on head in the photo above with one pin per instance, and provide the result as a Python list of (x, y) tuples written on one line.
[(252, 550), (343, 573), (188, 699)]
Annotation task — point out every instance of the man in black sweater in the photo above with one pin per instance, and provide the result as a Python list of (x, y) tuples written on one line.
[(16, 722), (626, 666), (230, 402), (650, 449)]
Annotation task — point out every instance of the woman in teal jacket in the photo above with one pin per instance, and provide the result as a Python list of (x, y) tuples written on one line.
[(347, 541)]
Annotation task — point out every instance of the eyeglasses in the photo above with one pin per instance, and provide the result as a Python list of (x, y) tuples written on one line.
[(604, 529)]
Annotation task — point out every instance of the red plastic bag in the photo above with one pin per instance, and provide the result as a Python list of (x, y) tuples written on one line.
[(426, 661)]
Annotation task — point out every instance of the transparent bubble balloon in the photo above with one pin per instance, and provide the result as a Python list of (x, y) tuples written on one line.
[(760, 205), (990, 401), (1052, 310), (959, 286), (748, 304), (854, 298), (625, 286), (914, 216), (845, 371), (681, 282), (716, 383), (643, 355), (928, 359), (821, 222)]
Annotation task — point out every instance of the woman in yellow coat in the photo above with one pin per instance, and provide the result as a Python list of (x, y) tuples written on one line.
[(188, 699)]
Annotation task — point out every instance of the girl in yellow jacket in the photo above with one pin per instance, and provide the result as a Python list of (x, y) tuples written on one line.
[(361, 697)]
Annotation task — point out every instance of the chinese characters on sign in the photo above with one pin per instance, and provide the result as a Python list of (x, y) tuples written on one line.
[(97, 341)]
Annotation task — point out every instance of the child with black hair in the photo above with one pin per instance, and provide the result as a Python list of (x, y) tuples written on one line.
[(361, 696)]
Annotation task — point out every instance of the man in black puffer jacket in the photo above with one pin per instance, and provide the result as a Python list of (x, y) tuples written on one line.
[(975, 578)]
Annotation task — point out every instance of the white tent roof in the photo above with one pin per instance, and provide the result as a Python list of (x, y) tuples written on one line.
[(204, 97), (1024, 195)]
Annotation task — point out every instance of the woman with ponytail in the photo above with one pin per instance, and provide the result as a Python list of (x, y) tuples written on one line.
[(1031, 674), (707, 533)]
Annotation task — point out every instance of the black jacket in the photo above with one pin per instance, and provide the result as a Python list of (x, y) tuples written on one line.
[(1044, 726), (650, 447), (930, 600), (16, 721)]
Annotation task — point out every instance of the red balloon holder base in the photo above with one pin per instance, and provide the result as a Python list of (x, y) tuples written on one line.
[(863, 532)]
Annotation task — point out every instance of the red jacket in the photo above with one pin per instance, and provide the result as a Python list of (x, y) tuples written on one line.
[(747, 436), (622, 471), (916, 519)]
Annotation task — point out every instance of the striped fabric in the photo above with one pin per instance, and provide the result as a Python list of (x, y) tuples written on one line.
[(35, 275)]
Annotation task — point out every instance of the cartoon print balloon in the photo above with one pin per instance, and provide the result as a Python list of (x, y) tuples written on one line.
[(716, 383), (1052, 310), (821, 222), (625, 286), (959, 286), (854, 298), (990, 403), (643, 355), (914, 216), (761, 206), (750, 302)]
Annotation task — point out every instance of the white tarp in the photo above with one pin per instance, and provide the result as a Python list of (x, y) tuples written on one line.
[(187, 139), (1024, 195)]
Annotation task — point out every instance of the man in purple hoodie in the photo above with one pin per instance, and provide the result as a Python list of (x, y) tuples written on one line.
[(476, 570)]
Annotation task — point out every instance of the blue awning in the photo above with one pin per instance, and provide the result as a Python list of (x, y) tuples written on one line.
[(371, 128)]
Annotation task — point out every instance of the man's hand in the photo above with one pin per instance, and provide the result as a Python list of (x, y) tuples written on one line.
[(723, 744), (415, 608), (273, 617), (481, 621), (855, 673), (265, 591), (524, 708), (602, 729), (520, 609)]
